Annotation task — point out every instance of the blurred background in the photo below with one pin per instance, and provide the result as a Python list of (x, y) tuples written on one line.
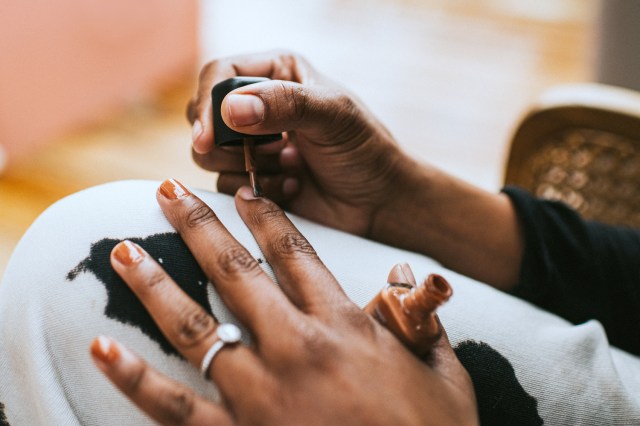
[(92, 92)]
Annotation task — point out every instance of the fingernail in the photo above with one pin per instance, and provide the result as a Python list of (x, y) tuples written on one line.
[(196, 131), (172, 189), (128, 253), (399, 275), (245, 110), (105, 350), (201, 146), (246, 193)]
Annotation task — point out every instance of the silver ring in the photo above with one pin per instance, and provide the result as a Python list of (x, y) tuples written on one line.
[(226, 334)]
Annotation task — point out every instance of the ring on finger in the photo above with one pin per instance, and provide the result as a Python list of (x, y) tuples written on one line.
[(226, 334)]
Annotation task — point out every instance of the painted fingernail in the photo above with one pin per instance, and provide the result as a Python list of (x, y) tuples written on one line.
[(196, 131), (128, 253), (172, 189), (246, 193), (245, 110), (105, 350)]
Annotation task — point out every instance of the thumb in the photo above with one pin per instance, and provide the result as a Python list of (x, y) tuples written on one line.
[(278, 106)]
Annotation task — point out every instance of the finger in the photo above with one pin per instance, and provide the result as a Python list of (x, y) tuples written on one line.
[(275, 65), (242, 284), (300, 272), (278, 188), (185, 324), (164, 400), (443, 360), (277, 106), (231, 159)]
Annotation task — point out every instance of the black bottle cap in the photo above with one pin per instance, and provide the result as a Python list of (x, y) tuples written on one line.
[(223, 135)]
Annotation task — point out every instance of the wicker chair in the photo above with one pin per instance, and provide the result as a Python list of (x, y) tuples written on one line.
[(581, 144)]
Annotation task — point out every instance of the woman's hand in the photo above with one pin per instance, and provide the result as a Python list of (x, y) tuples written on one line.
[(316, 359), (336, 165)]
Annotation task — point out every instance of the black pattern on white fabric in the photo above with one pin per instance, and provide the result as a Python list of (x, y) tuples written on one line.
[(501, 398), (3, 418), (122, 305)]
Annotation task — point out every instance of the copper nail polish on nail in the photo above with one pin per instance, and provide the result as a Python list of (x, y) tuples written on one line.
[(409, 312), (128, 253), (105, 350), (172, 189)]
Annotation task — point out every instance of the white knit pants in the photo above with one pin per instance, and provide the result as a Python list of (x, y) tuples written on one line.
[(59, 292)]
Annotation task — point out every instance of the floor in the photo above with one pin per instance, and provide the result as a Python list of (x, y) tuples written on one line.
[(449, 78)]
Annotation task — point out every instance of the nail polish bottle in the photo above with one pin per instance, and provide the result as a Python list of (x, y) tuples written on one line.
[(225, 136), (408, 311)]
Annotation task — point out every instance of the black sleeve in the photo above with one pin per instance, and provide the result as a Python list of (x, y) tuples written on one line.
[(580, 269)]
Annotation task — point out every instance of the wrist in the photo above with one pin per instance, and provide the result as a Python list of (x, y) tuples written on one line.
[(407, 197), (466, 229)]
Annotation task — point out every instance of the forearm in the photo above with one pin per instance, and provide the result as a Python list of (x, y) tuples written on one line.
[(467, 229)]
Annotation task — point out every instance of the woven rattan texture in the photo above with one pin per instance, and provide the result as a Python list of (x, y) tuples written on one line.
[(595, 172)]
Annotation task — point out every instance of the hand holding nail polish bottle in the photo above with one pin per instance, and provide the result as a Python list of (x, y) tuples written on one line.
[(408, 311), (225, 136)]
